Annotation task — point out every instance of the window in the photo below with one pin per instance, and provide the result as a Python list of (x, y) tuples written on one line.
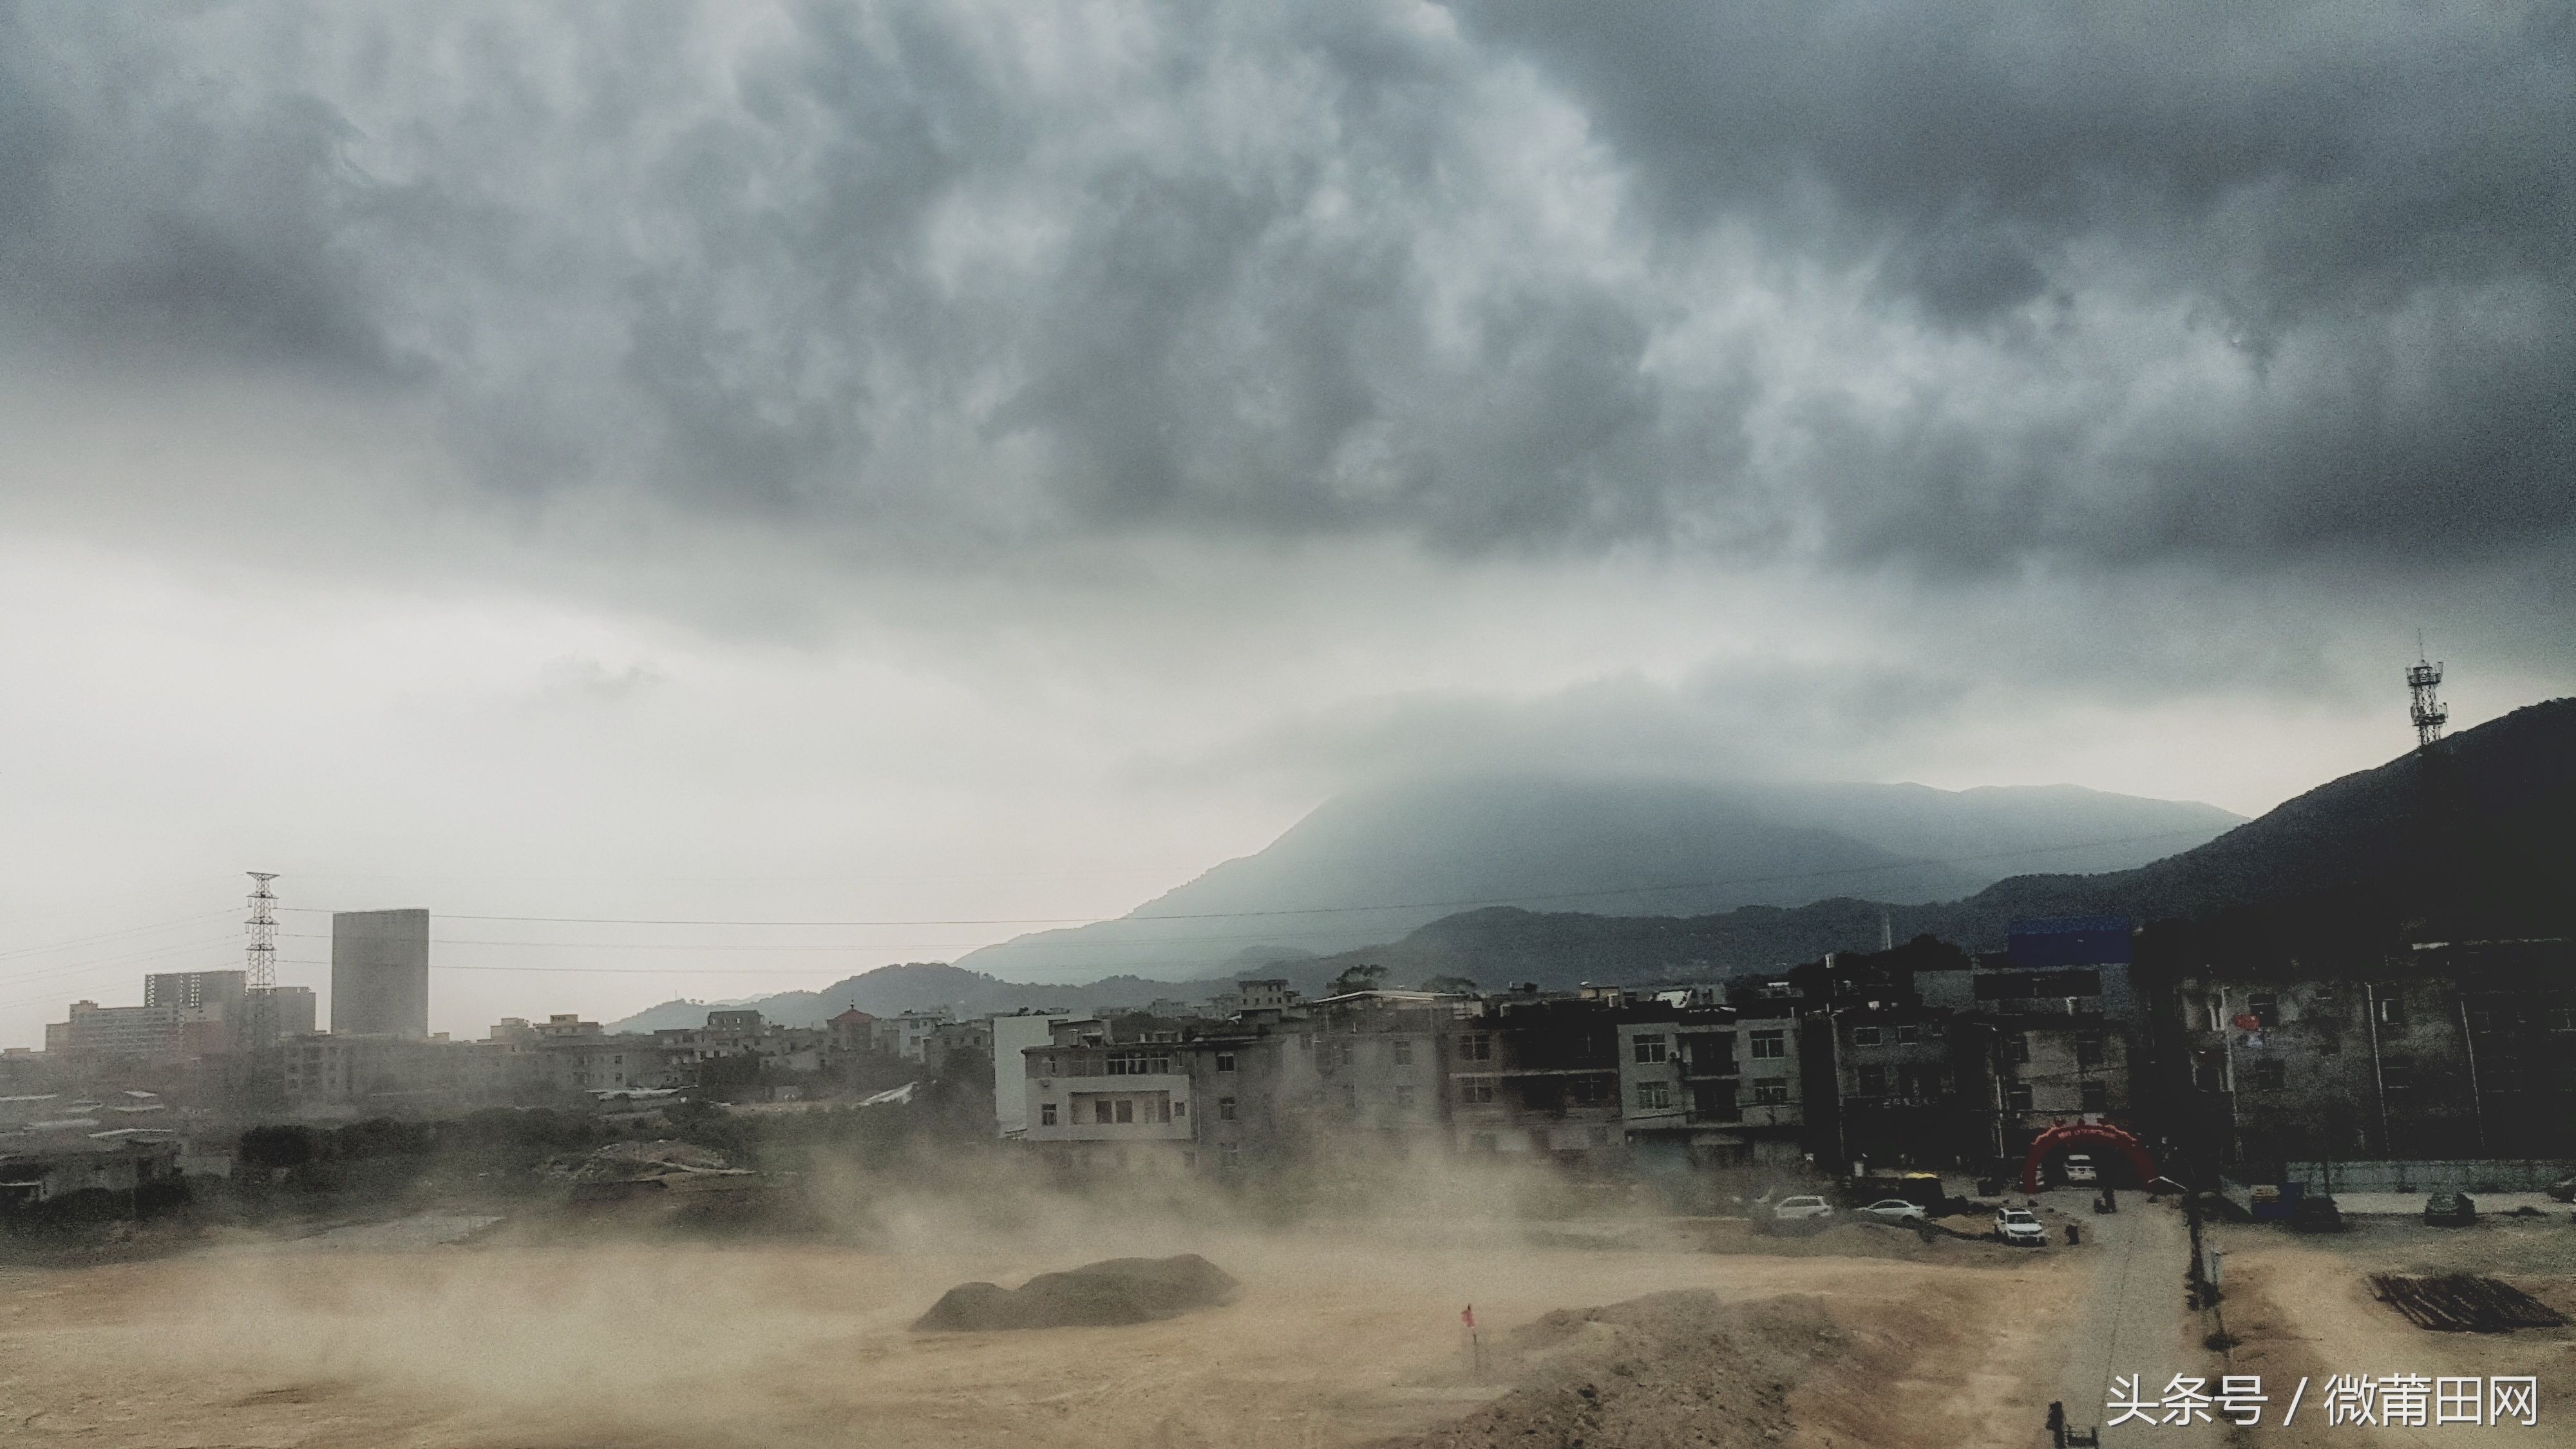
[(2017, 1047), (1046, 1114), (1654, 1096), (1476, 1089), (1712, 1053), (1225, 1061), (1475, 1047), (2017, 1096), (1909, 1032), (1104, 1112), (1401, 1050), (1771, 1094), (2095, 1096), (1126, 1109), (1349, 1053), (2270, 1076), (1714, 1101), (2264, 1007), (1768, 1045), (2392, 1011), (1873, 1082), (2560, 1018), (1162, 1109), (1180, 1109), (1404, 1099), (1225, 1109), (1650, 1049), (2088, 1049), (1865, 1036)]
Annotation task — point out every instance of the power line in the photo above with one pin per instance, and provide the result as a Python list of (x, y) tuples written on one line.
[(1835, 872), (109, 935)]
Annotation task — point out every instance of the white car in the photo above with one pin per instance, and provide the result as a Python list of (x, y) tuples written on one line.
[(1789, 1209), (1896, 1210), (2020, 1225), (2080, 1168)]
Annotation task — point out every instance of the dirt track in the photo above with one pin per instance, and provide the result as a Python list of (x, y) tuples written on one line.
[(1332, 1342)]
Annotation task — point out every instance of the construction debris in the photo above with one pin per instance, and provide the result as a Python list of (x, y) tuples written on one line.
[(2460, 1303)]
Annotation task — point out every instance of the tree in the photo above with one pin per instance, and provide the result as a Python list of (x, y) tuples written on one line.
[(1358, 978), (1450, 985)]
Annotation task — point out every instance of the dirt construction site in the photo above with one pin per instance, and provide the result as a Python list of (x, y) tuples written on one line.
[(1652, 1332)]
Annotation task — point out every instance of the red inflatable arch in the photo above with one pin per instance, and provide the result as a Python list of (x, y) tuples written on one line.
[(2093, 1134)]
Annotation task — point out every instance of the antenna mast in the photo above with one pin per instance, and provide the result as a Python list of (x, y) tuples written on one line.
[(263, 930), (2423, 678)]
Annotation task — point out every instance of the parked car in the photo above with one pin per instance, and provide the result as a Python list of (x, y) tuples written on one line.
[(2564, 1189), (1896, 1210), (2020, 1226), (2080, 1168), (2316, 1214), (2450, 1210), (1791, 1209)]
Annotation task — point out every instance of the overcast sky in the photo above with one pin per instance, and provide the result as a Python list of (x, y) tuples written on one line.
[(983, 462)]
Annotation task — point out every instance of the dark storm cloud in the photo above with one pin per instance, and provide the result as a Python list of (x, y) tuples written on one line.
[(1954, 287), (2375, 204)]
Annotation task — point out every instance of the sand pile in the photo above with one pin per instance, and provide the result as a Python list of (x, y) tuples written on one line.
[(1669, 1369), (1096, 1295)]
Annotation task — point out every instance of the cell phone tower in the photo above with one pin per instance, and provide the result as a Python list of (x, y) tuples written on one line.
[(2423, 678), (263, 930)]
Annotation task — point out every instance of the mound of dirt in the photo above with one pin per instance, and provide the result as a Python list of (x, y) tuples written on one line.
[(1669, 1369), (1096, 1295)]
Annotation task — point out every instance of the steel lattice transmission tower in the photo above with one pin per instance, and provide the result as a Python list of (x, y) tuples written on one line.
[(2423, 678), (263, 930)]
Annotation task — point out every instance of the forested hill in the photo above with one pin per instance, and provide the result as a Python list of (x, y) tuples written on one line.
[(2477, 841)]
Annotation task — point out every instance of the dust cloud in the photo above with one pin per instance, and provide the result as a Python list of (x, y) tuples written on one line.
[(606, 1328)]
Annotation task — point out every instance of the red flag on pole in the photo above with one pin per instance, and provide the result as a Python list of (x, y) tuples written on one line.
[(1467, 1315)]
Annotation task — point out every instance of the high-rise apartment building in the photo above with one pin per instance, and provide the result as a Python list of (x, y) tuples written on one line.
[(380, 972)]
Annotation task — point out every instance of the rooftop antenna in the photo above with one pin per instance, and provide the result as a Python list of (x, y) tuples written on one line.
[(2423, 679), (263, 930)]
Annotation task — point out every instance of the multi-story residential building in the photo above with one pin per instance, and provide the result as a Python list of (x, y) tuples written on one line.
[(160, 1033), (2450, 1052), (953, 1038), (1375, 1058), (908, 1035), (1887, 1087), (1531, 1075), (1681, 1082), (1114, 1092)]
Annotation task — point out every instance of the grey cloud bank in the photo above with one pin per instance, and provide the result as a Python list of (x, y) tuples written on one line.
[(1944, 287)]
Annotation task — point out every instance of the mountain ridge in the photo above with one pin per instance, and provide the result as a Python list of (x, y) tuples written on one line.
[(1367, 866)]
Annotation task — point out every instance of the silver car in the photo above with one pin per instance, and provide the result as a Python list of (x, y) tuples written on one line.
[(1896, 1210), (1790, 1209), (2020, 1226)]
